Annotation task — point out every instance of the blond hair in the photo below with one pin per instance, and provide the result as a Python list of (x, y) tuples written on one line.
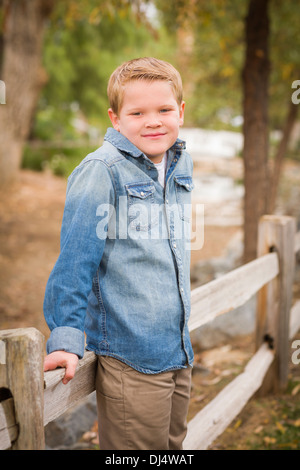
[(144, 68)]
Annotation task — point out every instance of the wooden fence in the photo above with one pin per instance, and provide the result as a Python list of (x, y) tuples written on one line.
[(30, 398)]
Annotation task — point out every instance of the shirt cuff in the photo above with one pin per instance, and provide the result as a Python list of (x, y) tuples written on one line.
[(66, 338)]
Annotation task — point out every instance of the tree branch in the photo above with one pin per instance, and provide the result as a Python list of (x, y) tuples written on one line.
[(280, 154)]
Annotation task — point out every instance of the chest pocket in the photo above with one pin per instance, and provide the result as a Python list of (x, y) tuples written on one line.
[(142, 215), (183, 187)]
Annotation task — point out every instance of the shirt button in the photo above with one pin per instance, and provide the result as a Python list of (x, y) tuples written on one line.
[(167, 201), (181, 289), (142, 193), (174, 245)]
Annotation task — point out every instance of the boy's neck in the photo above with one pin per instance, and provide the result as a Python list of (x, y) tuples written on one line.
[(161, 160)]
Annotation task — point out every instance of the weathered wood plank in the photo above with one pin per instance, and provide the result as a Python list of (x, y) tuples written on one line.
[(5, 441), (22, 351), (297, 242), (294, 319), (231, 290), (8, 425), (59, 397), (275, 300), (212, 420)]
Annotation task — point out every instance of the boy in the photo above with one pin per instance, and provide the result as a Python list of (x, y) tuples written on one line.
[(122, 276)]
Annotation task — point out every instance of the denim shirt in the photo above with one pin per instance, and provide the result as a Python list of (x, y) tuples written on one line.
[(123, 274)]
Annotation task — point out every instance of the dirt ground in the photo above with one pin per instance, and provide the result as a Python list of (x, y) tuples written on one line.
[(30, 220), (30, 215)]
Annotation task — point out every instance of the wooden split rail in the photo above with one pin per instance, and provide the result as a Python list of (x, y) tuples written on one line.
[(30, 398)]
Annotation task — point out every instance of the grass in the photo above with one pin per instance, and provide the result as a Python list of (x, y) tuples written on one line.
[(278, 424)]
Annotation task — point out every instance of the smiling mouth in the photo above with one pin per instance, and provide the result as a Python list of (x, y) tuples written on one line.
[(154, 135)]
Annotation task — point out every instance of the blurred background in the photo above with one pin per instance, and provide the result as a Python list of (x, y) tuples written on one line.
[(240, 65)]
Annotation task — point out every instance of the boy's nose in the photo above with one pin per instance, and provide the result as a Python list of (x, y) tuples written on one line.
[(153, 121)]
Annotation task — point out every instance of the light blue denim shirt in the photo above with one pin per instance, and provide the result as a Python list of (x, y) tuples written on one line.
[(123, 273)]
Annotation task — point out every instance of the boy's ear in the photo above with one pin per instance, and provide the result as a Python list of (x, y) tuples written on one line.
[(114, 119), (181, 113)]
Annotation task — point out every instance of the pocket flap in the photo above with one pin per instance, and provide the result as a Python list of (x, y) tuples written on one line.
[(185, 181), (140, 190)]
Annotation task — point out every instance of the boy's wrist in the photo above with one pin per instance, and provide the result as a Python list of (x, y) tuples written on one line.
[(68, 339)]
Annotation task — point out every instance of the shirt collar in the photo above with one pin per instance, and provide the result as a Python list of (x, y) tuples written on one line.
[(124, 145)]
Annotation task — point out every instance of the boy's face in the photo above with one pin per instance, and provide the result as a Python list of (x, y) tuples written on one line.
[(150, 117)]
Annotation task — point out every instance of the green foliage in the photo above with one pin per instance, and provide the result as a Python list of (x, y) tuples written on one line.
[(54, 122), (34, 159), (285, 57), (60, 160)]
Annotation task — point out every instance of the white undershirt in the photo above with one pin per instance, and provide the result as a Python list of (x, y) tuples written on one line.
[(161, 168)]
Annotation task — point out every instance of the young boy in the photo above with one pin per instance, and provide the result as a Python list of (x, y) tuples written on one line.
[(122, 275)]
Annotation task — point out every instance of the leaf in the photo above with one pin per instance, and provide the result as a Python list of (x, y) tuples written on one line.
[(269, 440), (295, 390), (237, 424), (280, 427), (258, 429)]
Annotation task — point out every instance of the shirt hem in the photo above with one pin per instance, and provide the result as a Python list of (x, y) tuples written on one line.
[(139, 368)]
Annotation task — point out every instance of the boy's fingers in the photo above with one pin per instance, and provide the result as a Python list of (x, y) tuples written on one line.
[(50, 363), (70, 370), (62, 359)]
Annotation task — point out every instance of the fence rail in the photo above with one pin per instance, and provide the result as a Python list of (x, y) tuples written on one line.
[(231, 290), (30, 398)]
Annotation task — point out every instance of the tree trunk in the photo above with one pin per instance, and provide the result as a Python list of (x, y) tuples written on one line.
[(23, 76), (255, 109)]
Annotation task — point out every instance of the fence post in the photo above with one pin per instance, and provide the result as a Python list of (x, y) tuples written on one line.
[(22, 352), (276, 233)]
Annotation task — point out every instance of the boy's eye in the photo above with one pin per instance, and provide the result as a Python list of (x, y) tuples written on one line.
[(136, 114), (164, 110)]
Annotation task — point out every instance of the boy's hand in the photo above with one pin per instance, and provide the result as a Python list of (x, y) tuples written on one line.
[(62, 359)]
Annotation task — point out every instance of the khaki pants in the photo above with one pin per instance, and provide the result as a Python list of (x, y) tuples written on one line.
[(139, 411)]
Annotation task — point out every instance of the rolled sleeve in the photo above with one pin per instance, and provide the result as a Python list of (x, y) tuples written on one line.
[(66, 338)]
